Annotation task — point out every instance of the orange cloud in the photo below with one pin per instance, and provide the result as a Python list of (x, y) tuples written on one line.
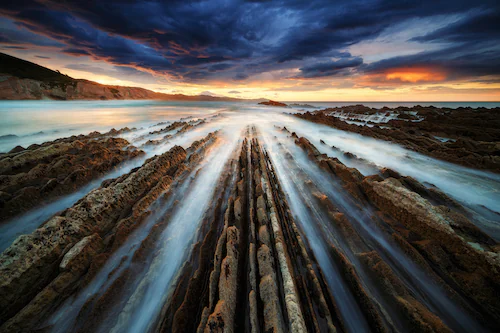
[(398, 77), (414, 75)]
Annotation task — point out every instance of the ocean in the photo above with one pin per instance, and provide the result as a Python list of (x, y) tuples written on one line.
[(27, 122)]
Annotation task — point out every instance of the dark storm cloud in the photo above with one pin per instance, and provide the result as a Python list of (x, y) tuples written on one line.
[(194, 61), (11, 33), (472, 49), (75, 52), (219, 67), (240, 77), (475, 28), (329, 26), (15, 47), (329, 68), (82, 38), (210, 39), (458, 62)]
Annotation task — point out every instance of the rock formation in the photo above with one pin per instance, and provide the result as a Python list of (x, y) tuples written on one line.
[(470, 137), (274, 103), (24, 80), (322, 248), (40, 173), (40, 269)]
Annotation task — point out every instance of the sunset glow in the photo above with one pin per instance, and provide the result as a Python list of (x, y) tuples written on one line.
[(273, 49), (416, 75), (250, 166)]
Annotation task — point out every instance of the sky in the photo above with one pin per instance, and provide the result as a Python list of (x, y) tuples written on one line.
[(289, 50)]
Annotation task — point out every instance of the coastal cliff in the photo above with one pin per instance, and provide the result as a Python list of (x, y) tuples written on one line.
[(24, 80), (14, 88)]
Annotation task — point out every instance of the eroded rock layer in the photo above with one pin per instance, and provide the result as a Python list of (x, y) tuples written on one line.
[(40, 269), (271, 236), (465, 136), (261, 277), (36, 175), (427, 226)]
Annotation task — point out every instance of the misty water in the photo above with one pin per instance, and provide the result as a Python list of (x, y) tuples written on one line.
[(26, 123), (297, 175)]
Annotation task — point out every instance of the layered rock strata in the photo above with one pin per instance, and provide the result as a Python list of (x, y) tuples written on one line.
[(400, 249), (431, 229), (261, 277), (469, 137), (37, 175), (177, 128), (39, 270)]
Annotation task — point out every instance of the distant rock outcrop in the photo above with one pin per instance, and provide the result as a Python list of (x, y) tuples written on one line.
[(273, 103)]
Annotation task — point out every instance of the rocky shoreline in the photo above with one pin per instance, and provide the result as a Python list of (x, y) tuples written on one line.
[(36, 175), (431, 228), (68, 244), (286, 239), (466, 136)]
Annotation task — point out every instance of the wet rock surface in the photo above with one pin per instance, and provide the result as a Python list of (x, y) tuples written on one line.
[(466, 136), (263, 233), (435, 232), (259, 268), (31, 262), (36, 175)]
